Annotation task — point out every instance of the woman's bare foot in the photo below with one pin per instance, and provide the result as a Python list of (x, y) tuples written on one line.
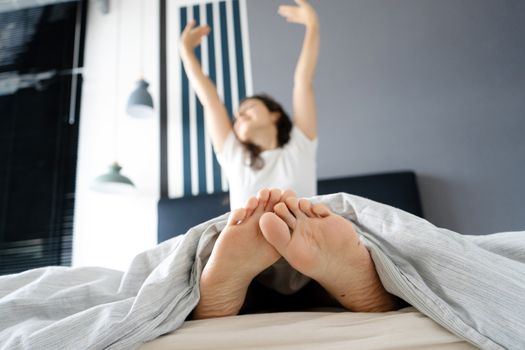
[(240, 253), (325, 247)]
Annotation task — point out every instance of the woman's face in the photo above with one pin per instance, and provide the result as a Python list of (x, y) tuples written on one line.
[(252, 117)]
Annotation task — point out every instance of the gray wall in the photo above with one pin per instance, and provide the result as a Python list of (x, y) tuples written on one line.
[(434, 86)]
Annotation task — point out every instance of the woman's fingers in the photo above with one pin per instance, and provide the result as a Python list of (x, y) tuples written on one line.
[(286, 11), (188, 27), (203, 30), (190, 24), (200, 30), (191, 36), (291, 13), (304, 13)]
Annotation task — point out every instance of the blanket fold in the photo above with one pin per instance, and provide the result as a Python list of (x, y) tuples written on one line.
[(472, 285)]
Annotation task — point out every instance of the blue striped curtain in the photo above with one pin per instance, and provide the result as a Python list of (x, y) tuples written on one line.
[(222, 58)]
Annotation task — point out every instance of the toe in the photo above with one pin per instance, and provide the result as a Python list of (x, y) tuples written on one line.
[(321, 210), (263, 194), (262, 198), (275, 231), (251, 205), (306, 207), (283, 212), (287, 194), (293, 205), (275, 197), (236, 216)]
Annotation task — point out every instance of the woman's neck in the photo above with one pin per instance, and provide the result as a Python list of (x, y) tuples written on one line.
[(266, 139)]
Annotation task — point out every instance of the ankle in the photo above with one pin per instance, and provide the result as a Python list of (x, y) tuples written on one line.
[(374, 299), (219, 301)]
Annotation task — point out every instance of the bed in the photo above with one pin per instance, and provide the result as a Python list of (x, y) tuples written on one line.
[(309, 328), (319, 329), (458, 288)]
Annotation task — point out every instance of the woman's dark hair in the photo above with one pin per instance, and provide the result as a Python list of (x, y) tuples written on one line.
[(284, 127)]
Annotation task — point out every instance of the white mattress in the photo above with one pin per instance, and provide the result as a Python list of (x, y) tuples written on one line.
[(403, 329)]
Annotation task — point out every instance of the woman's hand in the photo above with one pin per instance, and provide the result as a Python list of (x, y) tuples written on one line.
[(191, 37), (304, 13)]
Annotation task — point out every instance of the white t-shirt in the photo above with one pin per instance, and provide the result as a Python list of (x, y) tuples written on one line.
[(292, 166)]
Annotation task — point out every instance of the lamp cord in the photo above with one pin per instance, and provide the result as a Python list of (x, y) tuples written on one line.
[(117, 59), (141, 47)]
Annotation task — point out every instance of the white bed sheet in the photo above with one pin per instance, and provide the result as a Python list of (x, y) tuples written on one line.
[(403, 329)]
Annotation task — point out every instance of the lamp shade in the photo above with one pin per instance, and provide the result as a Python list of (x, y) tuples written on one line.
[(113, 181), (140, 103)]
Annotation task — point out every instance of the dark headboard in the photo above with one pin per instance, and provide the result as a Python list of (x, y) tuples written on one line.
[(397, 189)]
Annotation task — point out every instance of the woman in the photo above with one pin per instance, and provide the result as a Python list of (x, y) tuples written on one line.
[(263, 148)]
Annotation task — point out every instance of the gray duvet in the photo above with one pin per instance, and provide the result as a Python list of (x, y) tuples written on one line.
[(472, 285)]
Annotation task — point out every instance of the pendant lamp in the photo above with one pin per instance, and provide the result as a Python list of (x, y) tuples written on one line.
[(140, 103), (113, 181)]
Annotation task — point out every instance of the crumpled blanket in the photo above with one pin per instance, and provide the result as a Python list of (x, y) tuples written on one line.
[(472, 285)]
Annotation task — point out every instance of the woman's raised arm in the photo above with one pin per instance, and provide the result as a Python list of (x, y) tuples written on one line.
[(215, 114), (304, 107)]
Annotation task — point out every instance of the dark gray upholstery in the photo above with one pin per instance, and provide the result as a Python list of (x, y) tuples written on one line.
[(399, 189)]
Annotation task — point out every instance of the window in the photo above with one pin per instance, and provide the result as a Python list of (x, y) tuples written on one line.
[(39, 104)]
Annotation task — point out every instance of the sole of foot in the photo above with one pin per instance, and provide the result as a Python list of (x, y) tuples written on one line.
[(325, 247), (239, 254)]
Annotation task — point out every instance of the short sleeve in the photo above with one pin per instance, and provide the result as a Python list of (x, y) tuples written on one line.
[(225, 157), (301, 141)]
